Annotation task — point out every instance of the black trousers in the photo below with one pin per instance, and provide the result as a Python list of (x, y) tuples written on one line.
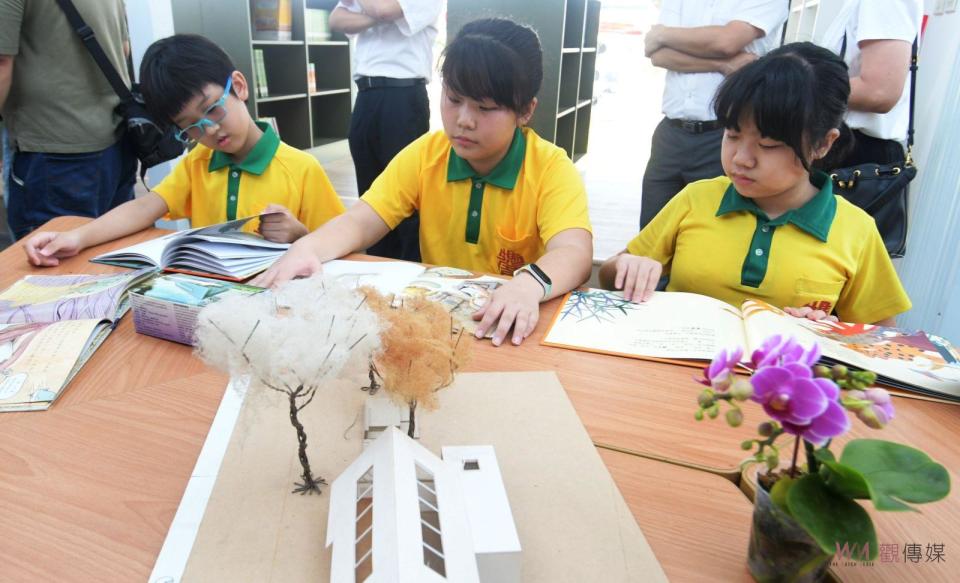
[(677, 158), (384, 121)]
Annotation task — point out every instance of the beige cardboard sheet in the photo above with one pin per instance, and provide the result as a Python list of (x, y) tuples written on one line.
[(574, 525)]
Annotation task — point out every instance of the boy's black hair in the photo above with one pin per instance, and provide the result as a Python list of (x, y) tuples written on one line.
[(795, 94), (175, 69), (495, 59)]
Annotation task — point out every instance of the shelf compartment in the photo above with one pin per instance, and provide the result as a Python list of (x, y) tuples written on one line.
[(582, 131), (569, 81), (332, 64), (592, 24), (286, 69), (330, 113), (293, 120), (573, 24), (565, 133)]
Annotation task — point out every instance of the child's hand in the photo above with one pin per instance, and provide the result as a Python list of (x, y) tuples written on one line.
[(515, 303), (281, 226), (298, 261), (47, 248), (810, 314), (637, 276)]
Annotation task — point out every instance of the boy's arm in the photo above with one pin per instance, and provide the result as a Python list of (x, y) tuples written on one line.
[(703, 41), (46, 248), (356, 229)]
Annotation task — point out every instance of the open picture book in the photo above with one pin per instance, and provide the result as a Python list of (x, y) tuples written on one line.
[(49, 326), (690, 329), (222, 251)]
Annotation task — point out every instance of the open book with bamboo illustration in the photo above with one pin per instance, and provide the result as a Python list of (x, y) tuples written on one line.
[(690, 329), (49, 326)]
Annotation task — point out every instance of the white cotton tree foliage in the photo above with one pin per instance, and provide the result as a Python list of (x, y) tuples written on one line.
[(301, 334)]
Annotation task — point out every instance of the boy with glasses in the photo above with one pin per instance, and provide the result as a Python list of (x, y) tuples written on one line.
[(238, 167)]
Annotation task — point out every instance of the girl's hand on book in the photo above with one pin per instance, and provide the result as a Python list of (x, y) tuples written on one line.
[(47, 248), (298, 261), (281, 226), (637, 276), (515, 303), (810, 314)]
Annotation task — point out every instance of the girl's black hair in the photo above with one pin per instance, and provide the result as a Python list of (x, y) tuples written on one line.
[(795, 94), (495, 59), (175, 69)]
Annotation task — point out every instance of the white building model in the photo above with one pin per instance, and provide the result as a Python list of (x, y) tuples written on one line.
[(400, 514)]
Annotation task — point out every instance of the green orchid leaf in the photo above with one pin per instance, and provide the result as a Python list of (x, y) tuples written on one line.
[(833, 520), (844, 480), (825, 455), (895, 473), (778, 494)]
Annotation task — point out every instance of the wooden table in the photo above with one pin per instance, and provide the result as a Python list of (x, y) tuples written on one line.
[(90, 487)]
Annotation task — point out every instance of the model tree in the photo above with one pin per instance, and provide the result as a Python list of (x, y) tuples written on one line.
[(293, 340), (421, 351)]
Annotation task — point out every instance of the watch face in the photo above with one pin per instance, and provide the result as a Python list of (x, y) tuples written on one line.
[(540, 273)]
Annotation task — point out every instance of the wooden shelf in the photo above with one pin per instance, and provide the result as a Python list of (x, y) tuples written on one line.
[(273, 98), (323, 92), (283, 43)]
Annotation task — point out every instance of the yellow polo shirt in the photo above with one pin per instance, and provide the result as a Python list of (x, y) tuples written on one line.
[(208, 188), (494, 223), (827, 254)]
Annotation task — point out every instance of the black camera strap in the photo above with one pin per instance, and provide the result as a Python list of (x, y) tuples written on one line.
[(90, 41)]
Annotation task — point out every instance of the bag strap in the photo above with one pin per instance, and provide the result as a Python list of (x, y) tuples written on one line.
[(913, 93), (908, 160), (89, 39)]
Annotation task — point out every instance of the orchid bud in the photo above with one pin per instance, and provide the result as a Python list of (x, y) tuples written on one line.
[(870, 418), (705, 400), (765, 429), (735, 417), (747, 444), (741, 390), (821, 371), (713, 411), (698, 415), (839, 371), (772, 459)]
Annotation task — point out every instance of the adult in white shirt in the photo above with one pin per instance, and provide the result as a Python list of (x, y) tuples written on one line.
[(875, 42), (393, 61), (699, 42)]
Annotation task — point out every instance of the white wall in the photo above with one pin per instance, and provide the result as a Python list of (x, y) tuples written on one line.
[(931, 269)]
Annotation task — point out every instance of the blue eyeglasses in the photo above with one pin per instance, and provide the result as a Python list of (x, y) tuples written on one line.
[(213, 116)]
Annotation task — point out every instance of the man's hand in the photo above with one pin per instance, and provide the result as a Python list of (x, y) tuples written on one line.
[(637, 276), (653, 41), (298, 261), (515, 303), (810, 314), (281, 226), (47, 248), (734, 63)]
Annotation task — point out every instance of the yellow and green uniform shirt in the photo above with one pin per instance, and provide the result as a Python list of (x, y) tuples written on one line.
[(208, 188), (827, 254), (494, 223)]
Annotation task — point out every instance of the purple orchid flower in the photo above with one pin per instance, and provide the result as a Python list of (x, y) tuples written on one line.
[(878, 410), (805, 406), (719, 374), (781, 350)]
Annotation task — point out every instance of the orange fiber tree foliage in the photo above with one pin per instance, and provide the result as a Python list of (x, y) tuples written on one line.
[(421, 350)]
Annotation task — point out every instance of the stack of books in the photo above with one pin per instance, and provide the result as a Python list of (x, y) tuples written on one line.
[(317, 25), (260, 74), (272, 20)]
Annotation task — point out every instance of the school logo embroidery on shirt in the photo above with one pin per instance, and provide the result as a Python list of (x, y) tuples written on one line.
[(509, 261), (824, 305)]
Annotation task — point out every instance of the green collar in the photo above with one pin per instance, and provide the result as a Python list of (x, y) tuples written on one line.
[(259, 157), (815, 217), (504, 175)]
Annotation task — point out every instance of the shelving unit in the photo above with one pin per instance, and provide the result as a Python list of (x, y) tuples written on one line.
[(568, 33), (306, 116)]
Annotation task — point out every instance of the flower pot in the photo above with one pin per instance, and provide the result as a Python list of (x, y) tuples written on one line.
[(780, 549)]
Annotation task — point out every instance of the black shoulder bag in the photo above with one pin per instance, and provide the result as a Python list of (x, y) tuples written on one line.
[(149, 141), (882, 189)]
